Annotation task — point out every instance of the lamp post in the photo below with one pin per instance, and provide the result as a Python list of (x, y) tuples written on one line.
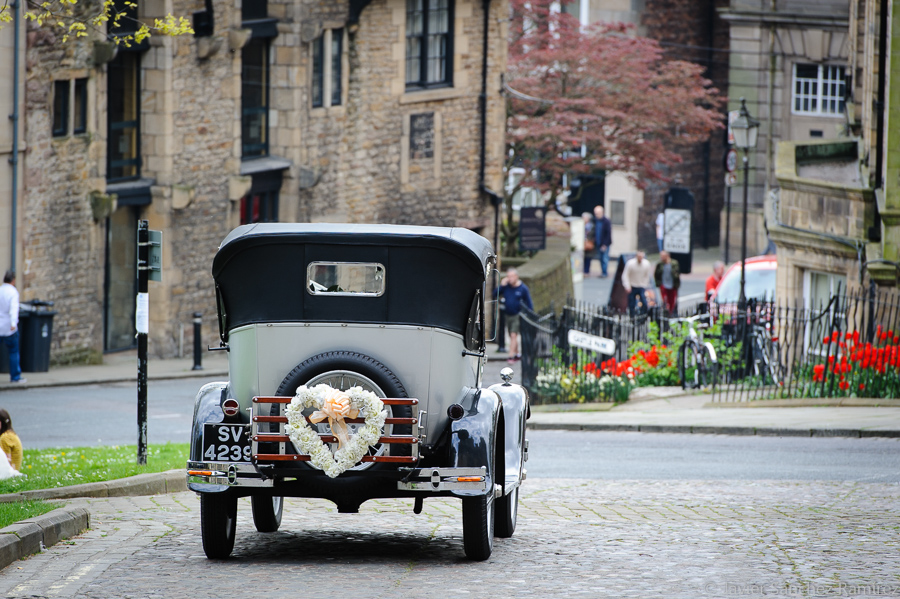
[(746, 131)]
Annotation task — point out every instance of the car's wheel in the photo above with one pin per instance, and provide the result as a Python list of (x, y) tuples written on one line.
[(267, 512), (478, 526), (218, 522), (505, 514), (342, 370)]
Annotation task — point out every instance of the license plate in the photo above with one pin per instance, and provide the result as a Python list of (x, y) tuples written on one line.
[(226, 443)]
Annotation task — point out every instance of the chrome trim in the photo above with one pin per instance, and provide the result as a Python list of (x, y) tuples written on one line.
[(234, 474), (439, 479)]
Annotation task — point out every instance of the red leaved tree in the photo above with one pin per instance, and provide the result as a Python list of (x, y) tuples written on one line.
[(596, 99)]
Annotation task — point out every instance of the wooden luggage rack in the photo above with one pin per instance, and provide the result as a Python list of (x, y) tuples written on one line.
[(283, 440)]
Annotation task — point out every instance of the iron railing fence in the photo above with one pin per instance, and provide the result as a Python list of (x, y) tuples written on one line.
[(556, 371), (845, 347)]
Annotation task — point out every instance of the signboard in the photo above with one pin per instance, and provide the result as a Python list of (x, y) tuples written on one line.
[(154, 256), (532, 229), (677, 231), (730, 179), (732, 117), (731, 160), (601, 345)]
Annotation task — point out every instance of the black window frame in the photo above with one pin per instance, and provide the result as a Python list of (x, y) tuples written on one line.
[(79, 106), (317, 88), (112, 125), (422, 82), (260, 148), (337, 73), (60, 122)]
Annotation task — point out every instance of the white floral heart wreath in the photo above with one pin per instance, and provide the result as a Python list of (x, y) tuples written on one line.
[(334, 405)]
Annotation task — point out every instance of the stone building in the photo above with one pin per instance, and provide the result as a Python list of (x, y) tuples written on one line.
[(836, 216), (788, 59), (303, 110)]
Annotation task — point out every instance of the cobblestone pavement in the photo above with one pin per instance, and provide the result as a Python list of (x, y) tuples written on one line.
[(575, 538)]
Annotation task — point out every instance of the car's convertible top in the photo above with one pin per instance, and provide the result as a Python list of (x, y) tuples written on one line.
[(431, 274)]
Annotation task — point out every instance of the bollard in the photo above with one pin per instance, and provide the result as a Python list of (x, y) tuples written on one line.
[(198, 322)]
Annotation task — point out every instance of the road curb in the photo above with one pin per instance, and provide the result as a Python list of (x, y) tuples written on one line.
[(716, 430), (36, 534), (191, 374), (32, 536)]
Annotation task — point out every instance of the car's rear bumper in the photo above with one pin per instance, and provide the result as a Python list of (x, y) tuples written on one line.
[(220, 476)]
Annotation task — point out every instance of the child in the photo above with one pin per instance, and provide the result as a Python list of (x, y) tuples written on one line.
[(9, 441)]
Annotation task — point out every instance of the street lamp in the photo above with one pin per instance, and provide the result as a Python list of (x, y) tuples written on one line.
[(746, 130)]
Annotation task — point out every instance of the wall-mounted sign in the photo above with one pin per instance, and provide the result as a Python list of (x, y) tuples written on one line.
[(601, 345)]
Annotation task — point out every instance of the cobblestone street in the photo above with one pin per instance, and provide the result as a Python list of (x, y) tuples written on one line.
[(574, 538)]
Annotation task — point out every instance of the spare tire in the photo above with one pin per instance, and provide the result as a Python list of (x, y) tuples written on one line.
[(345, 369)]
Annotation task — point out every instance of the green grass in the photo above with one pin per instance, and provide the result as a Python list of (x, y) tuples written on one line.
[(51, 468), (10, 513)]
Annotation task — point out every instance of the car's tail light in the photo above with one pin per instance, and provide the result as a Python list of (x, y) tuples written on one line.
[(231, 407)]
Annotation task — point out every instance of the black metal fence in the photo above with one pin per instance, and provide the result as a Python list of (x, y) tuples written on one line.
[(848, 346), (556, 370), (845, 347)]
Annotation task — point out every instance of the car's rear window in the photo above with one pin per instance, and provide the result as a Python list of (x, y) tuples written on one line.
[(760, 284), (345, 278)]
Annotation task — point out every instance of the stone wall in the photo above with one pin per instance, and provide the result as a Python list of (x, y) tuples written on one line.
[(347, 163), (549, 275)]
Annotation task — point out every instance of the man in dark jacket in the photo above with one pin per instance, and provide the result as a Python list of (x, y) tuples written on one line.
[(603, 239), (515, 294)]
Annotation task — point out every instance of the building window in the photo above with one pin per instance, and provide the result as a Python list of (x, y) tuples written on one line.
[(255, 98), (261, 204), (428, 43), (60, 108), (617, 212), (327, 68), (79, 107), (123, 154), (337, 43), (821, 287), (818, 89)]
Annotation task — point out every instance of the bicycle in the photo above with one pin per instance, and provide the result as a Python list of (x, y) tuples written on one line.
[(697, 360), (765, 354)]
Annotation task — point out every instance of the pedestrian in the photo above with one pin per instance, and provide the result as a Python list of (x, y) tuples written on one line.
[(515, 294), (9, 324), (713, 281), (589, 244), (635, 280), (660, 222), (603, 239), (9, 441), (668, 279)]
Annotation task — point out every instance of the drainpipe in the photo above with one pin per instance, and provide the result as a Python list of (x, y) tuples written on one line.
[(14, 117), (770, 104), (882, 93), (496, 199)]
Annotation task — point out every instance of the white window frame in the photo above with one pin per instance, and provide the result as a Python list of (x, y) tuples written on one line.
[(825, 78)]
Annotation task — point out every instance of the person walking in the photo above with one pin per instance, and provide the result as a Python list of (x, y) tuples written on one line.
[(9, 324), (515, 294), (9, 441), (668, 279), (603, 239), (635, 280), (660, 227), (589, 244), (713, 281)]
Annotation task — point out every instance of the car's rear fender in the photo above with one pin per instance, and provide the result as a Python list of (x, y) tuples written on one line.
[(473, 438), (207, 408), (514, 403)]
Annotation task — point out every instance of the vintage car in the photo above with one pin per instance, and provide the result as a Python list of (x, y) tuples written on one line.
[(356, 355)]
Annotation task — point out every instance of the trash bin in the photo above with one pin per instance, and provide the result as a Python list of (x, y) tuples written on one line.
[(35, 332)]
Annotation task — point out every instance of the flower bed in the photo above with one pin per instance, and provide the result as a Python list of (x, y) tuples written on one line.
[(850, 368)]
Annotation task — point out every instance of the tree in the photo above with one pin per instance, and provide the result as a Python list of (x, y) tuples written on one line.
[(74, 19), (586, 100)]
